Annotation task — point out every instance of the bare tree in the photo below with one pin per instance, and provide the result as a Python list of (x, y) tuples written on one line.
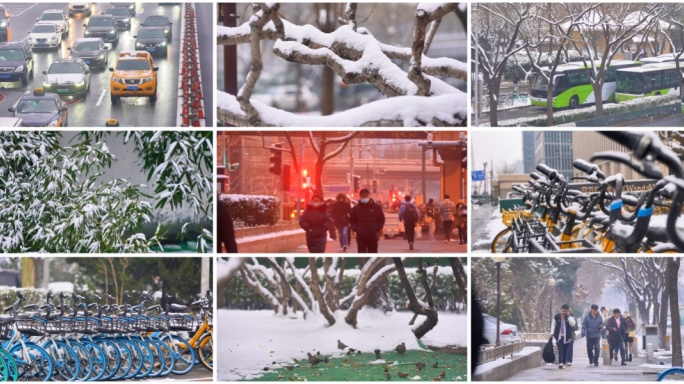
[(500, 39), (418, 307), (357, 57), (672, 278), (320, 147), (506, 168), (617, 24)]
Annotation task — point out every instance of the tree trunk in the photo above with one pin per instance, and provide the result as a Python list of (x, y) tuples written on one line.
[(493, 103), (414, 305), (363, 288), (662, 317), (328, 76), (598, 88), (460, 277), (672, 282), (317, 292), (549, 104), (379, 295)]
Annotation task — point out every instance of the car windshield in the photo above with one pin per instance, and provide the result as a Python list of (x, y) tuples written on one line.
[(117, 12), (51, 16), (11, 54), (156, 21), (133, 65), (37, 106), (87, 46), (151, 33), (57, 68), (101, 22), (43, 29)]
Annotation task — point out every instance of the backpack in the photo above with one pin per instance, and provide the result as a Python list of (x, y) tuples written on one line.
[(411, 214)]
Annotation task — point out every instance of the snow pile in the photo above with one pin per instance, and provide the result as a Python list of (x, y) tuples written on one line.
[(413, 111), (486, 367), (254, 339)]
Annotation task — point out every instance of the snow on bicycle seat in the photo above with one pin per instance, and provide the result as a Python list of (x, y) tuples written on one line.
[(176, 315), (177, 308), (6, 318)]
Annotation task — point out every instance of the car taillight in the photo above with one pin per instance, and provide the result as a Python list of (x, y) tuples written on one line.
[(506, 331)]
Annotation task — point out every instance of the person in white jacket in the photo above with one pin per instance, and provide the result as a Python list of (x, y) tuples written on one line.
[(563, 329)]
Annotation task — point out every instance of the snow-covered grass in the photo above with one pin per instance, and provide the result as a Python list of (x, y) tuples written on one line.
[(254, 339)]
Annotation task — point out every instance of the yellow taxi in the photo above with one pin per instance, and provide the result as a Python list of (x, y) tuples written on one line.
[(133, 75)]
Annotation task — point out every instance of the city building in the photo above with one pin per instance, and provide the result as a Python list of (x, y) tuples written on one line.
[(528, 151), (555, 149)]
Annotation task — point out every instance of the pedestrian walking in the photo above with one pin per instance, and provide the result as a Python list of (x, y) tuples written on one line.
[(516, 83), (571, 347), (562, 329), (592, 328), (317, 222), (431, 217), (462, 221), (630, 334), (409, 215), (340, 210), (447, 210), (605, 316), (616, 326), (367, 220)]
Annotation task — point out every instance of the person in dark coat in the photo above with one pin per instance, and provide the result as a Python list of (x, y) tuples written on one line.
[(224, 227), (340, 210), (317, 221), (592, 326), (563, 329), (617, 327), (367, 220), (409, 215)]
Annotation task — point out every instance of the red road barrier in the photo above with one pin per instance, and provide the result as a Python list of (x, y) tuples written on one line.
[(191, 103)]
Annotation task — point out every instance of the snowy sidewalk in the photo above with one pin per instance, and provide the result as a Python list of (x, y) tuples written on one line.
[(582, 371), (398, 246)]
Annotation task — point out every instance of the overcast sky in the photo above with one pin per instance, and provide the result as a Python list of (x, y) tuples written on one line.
[(497, 146)]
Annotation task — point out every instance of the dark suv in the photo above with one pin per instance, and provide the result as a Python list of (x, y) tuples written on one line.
[(104, 27), (121, 16), (16, 62)]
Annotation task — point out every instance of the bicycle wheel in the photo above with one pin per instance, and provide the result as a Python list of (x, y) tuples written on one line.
[(65, 362), (11, 364), (112, 355), (85, 362), (33, 363), (98, 360), (183, 354), (500, 242), (147, 358), (5, 373), (205, 352), (169, 360), (136, 358), (157, 358), (126, 360)]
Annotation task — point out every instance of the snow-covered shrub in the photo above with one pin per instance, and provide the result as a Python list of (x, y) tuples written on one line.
[(253, 210), (574, 115)]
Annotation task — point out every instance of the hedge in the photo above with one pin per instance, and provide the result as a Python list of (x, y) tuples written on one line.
[(252, 210), (446, 295), (574, 115)]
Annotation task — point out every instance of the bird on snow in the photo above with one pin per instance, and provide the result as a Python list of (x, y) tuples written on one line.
[(352, 350), (401, 348), (435, 364), (341, 345), (388, 376), (313, 359), (403, 375), (442, 374), (358, 352)]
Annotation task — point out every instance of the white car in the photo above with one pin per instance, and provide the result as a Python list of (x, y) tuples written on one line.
[(508, 332), (44, 35), (79, 7), (56, 17), (67, 77)]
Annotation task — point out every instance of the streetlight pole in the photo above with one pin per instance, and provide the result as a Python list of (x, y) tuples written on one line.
[(498, 260)]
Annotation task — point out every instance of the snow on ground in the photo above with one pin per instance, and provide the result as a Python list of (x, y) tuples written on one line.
[(486, 367), (253, 340), (494, 226)]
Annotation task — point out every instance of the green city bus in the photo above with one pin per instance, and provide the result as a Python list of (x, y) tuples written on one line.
[(572, 87), (648, 80)]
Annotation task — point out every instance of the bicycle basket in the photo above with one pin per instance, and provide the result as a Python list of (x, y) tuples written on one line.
[(31, 327), (5, 331), (141, 323), (160, 323), (180, 323), (63, 325), (86, 325), (509, 216), (106, 325)]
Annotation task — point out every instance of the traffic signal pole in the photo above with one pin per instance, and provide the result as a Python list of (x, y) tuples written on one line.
[(301, 181)]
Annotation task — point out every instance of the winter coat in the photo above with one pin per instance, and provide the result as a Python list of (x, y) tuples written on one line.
[(447, 210), (340, 213), (367, 220), (431, 210), (402, 213), (570, 326), (615, 333), (592, 326), (316, 221)]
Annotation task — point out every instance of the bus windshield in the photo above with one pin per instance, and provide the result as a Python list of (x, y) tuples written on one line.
[(540, 82), (630, 82)]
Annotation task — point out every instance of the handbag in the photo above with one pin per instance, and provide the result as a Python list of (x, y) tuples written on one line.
[(548, 354), (631, 334)]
